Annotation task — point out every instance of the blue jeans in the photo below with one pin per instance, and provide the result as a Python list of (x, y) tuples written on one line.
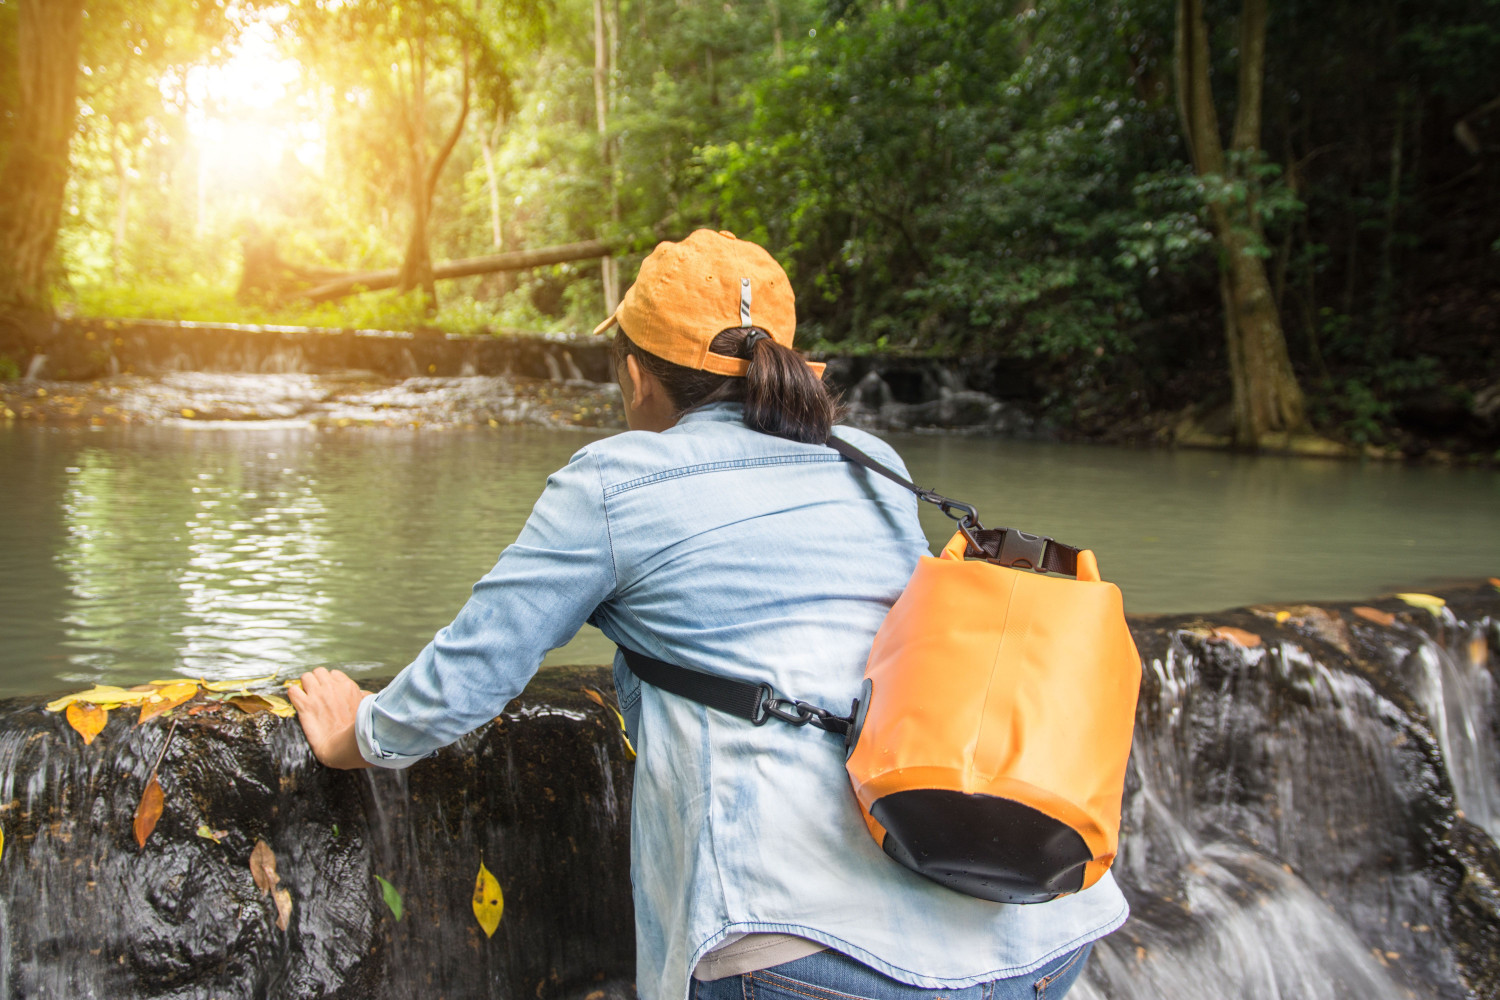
[(829, 975)]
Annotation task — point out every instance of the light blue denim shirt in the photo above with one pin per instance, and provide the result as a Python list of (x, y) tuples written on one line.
[(716, 547)]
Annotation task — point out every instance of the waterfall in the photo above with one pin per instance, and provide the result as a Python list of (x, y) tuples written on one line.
[(1456, 689), (1293, 827)]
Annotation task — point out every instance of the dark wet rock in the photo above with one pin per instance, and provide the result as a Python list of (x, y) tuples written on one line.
[(1310, 811), (541, 796)]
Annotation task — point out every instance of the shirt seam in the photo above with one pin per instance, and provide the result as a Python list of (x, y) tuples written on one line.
[(609, 537), (704, 467)]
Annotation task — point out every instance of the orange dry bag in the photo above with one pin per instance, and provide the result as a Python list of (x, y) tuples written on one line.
[(988, 745)]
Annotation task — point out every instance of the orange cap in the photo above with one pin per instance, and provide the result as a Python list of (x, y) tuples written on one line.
[(689, 292)]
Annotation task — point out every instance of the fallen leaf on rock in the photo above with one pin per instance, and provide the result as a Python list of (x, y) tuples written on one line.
[(1238, 636), (283, 899), (103, 695), (2, 842), (1495, 582), (1282, 616), (488, 902), (1428, 603), (251, 704), (217, 836), (392, 897), (1375, 615), (263, 867), (88, 719), (149, 811), (278, 705), (167, 698), (594, 696)]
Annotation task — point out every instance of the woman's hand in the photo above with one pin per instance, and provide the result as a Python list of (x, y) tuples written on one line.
[(326, 704)]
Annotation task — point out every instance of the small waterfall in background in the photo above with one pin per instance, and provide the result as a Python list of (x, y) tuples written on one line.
[(1455, 686)]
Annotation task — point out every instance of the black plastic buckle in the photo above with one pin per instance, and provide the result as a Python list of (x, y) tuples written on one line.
[(1018, 549)]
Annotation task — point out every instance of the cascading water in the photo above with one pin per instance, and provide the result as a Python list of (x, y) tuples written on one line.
[(1453, 682), (1290, 830)]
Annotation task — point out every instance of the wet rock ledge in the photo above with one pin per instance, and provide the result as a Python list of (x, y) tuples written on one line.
[(1309, 812)]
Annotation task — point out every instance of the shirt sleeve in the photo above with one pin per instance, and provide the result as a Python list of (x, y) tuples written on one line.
[(542, 589)]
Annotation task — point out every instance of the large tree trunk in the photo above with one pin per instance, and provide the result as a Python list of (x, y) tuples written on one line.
[(35, 173), (1266, 394)]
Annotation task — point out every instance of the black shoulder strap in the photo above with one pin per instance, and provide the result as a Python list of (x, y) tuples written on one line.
[(759, 702), (741, 699), (1006, 546)]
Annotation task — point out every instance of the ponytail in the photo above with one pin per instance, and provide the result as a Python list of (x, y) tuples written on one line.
[(781, 395)]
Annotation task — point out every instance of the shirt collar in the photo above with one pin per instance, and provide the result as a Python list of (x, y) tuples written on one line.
[(716, 412)]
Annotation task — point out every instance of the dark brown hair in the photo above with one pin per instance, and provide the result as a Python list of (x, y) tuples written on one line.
[(780, 393)]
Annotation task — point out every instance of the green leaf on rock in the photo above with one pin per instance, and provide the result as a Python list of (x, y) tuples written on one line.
[(392, 897)]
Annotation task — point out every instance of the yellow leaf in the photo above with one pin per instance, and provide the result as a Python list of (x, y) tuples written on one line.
[(2, 842), (187, 413), (167, 698), (103, 695), (488, 902), (216, 836), (1428, 603), (149, 811), (279, 705), (283, 899), (88, 719), (1282, 616)]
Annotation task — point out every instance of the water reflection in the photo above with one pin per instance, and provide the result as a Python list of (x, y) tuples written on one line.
[(129, 554)]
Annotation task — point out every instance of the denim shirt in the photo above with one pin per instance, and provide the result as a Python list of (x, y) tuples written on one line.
[(716, 547)]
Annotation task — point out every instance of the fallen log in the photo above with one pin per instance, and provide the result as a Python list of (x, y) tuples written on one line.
[(516, 260)]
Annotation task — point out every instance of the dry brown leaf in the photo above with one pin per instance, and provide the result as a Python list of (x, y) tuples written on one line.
[(88, 719), (1375, 615), (594, 696), (167, 698), (1238, 636), (263, 867), (283, 899), (251, 704), (149, 811)]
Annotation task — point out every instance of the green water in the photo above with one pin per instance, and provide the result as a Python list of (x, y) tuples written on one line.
[(129, 554)]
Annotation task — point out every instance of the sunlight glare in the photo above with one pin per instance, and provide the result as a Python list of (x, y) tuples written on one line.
[(244, 116)]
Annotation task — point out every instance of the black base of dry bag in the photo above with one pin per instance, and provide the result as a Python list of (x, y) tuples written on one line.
[(1029, 857)]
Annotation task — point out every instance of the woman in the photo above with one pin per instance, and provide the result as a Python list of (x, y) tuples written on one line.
[(723, 535)]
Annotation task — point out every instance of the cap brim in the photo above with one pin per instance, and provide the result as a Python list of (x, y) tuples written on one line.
[(614, 318)]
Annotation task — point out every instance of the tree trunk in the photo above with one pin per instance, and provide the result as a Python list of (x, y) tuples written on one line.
[(515, 260), (609, 272), (1266, 394), (416, 266), (35, 175)]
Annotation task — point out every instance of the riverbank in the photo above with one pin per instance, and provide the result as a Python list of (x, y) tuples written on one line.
[(101, 372)]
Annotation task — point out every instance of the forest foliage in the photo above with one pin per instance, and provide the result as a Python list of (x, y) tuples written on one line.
[(1006, 177)]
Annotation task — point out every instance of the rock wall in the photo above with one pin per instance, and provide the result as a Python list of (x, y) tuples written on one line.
[(1308, 813)]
